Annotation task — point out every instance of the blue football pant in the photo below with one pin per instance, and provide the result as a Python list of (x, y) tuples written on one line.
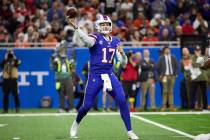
[(94, 85)]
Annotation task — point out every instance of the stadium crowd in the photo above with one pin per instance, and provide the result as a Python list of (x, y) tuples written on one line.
[(24, 21)]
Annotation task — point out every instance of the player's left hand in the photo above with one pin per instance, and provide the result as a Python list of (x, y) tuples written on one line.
[(120, 50)]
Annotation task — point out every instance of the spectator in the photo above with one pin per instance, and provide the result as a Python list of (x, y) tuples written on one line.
[(206, 11), (180, 7), (144, 27), (62, 67), (156, 21), (44, 6), (165, 35), (110, 6), (89, 10), (123, 34), (170, 7), (5, 11), (4, 37), (193, 13), (42, 25), (36, 40), (50, 40), (186, 65), (187, 28), (150, 36), (10, 80), (20, 10), (126, 5), (85, 20), (148, 9), (199, 80), (56, 29), (138, 7), (55, 10), (70, 3), (158, 7), (183, 18), (138, 58), (30, 6), (129, 78), (136, 36), (29, 34), (147, 79), (178, 33), (138, 21), (19, 43), (200, 23), (167, 67), (12, 24), (129, 20), (173, 21), (166, 25), (46, 31)]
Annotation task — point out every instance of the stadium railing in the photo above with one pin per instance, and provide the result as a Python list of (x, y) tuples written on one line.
[(141, 44)]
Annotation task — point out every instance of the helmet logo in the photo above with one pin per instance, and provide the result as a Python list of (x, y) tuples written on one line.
[(105, 17)]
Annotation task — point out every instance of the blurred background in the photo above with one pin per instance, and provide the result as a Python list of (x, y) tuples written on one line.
[(34, 29)]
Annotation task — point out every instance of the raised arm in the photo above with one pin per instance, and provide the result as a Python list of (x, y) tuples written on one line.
[(88, 40)]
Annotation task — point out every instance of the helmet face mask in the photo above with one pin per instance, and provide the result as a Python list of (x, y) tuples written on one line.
[(103, 24)]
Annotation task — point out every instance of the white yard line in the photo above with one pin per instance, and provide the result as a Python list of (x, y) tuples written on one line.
[(3, 125), (164, 126), (172, 113), (101, 114), (16, 138)]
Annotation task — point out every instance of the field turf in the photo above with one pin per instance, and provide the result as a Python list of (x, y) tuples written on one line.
[(101, 126)]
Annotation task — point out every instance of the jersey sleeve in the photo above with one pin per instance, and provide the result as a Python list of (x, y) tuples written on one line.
[(93, 36), (88, 40)]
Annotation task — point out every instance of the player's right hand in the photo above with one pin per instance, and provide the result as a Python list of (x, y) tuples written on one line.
[(72, 22)]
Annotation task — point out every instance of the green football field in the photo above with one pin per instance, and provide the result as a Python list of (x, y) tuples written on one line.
[(104, 126)]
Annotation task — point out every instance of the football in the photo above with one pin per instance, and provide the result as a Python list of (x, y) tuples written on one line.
[(71, 12)]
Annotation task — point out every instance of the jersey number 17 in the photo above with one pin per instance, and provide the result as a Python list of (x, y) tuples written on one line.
[(110, 50)]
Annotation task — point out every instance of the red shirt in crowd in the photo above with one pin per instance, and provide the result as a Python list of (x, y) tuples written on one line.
[(187, 29), (130, 73)]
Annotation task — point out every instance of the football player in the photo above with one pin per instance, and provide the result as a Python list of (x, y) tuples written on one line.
[(102, 48)]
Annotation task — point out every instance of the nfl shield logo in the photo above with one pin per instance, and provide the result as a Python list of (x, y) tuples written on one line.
[(101, 42)]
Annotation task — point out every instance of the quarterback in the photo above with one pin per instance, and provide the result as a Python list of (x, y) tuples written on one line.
[(102, 48)]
